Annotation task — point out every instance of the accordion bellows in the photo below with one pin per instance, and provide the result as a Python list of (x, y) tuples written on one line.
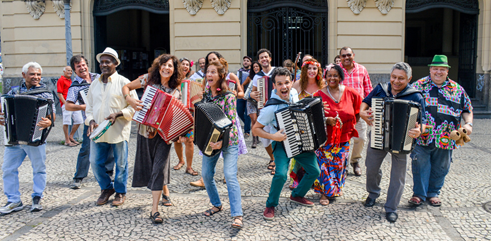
[(213, 127)]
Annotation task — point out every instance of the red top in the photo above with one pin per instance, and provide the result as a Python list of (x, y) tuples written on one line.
[(62, 87), (347, 108)]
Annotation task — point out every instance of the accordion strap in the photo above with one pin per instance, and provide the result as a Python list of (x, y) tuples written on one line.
[(410, 90)]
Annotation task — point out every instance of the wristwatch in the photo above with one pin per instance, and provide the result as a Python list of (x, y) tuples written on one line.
[(469, 123)]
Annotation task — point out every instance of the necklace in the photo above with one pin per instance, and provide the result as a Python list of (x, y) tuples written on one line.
[(332, 97)]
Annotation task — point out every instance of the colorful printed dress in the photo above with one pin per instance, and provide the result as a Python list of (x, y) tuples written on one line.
[(333, 156)]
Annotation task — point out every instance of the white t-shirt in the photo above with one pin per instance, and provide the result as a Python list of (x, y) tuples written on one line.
[(197, 75), (256, 77)]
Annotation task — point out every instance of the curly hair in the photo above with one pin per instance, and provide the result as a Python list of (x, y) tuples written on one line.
[(154, 71), (222, 69), (304, 79)]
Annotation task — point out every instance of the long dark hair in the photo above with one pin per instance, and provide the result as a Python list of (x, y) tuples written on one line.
[(222, 69), (219, 56), (154, 71), (251, 72)]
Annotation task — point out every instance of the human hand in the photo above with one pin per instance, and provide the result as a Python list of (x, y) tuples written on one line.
[(135, 104), (216, 145), (92, 126), (44, 123), (367, 116), (279, 135), (415, 132)]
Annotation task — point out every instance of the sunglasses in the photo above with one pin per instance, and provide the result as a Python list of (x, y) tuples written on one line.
[(346, 55)]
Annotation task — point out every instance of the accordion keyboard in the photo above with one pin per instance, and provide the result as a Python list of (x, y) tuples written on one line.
[(37, 132), (291, 129), (306, 132), (147, 103), (377, 136)]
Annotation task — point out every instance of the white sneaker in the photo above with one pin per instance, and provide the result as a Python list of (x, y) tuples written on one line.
[(11, 207), (36, 206)]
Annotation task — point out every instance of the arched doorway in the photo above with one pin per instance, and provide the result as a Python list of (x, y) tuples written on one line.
[(443, 27), (138, 30), (287, 27)]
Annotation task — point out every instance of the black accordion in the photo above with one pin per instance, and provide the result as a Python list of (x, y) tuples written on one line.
[(22, 113), (213, 127), (393, 118), (304, 124)]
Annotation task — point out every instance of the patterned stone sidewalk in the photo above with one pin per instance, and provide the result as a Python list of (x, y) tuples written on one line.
[(72, 214)]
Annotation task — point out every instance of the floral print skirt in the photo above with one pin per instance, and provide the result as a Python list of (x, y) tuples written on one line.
[(333, 161)]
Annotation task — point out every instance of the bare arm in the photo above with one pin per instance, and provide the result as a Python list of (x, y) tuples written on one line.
[(468, 118), (240, 90), (60, 96), (70, 106), (258, 130), (133, 85)]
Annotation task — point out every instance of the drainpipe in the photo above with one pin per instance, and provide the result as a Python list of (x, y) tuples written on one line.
[(68, 32)]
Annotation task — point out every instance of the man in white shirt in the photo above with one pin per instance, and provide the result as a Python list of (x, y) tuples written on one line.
[(106, 102), (200, 74)]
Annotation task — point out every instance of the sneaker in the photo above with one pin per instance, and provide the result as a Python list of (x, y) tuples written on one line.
[(11, 207), (36, 204), (269, 213), (77, 183), (119, 199), (302, 201)]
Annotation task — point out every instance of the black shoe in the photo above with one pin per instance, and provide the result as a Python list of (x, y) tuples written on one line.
[(391, 217), (369, 202)]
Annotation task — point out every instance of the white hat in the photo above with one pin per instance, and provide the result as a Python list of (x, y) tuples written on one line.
[(111, 52)]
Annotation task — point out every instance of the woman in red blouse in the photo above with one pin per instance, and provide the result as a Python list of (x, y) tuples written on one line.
[(341, 108)]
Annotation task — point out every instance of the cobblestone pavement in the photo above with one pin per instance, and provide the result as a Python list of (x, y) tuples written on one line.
[(72, 214)]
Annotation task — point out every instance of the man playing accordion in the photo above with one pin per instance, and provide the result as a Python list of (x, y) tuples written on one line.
[(15, 154), (398, 88), (282, 85)]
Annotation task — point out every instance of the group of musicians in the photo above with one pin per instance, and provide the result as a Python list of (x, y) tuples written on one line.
[(112, 98)]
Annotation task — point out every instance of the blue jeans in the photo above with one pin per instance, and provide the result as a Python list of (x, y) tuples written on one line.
[(83, 162), (12, 159), (230, 156), (98, 156), (430, 166), (242, 111)]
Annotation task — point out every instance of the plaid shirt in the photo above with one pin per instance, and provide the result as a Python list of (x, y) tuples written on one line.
[(443, 108), (73, 95), (358, 79), (15, 90)]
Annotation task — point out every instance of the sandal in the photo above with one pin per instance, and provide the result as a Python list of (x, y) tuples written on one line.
[(435, 201), (166, 203), (273, 171), (178, 166), (156, 218), (415, 201), (237, 223), (70, 144), (212, 211), (271, 165), (191, 172)]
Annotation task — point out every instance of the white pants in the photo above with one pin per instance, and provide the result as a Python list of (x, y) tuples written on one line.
[(358, 142), (69, 115)]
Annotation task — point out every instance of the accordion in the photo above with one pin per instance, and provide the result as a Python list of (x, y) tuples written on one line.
[(264, 86), (393, 119), (164, 113), (83, 94), (190, 91), (304, 124), (213, 126), (22, 113), (232, 85)]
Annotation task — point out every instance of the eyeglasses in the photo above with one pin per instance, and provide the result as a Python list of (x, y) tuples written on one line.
[(346, 55)]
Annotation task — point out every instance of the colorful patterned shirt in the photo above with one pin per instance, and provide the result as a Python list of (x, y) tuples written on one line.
[(228, 103), (358, 79), (443, 109)]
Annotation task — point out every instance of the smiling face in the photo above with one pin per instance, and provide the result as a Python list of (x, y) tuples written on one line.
[(256, 68), (81, 69), (32, 77), (212, 76), (212, 58), (312, 71), (398, 81), (337, 61), (347, 57), (283, 85), (333, 78), (185, 67), (246, 62), (107, 65), (265, 60), (67, 72), (202, 63), (167, 69), (438, 74)]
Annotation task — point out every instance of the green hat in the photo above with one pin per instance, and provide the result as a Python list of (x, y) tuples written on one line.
[(440, 61)]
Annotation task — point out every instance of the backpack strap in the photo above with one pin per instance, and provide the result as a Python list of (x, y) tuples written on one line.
[(274, 101)]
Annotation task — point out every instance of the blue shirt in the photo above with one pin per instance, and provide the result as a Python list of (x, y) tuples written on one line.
[(379, 92), (73, 95), (267, 116)]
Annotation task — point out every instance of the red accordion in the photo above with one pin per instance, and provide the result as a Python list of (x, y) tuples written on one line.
[(164, 113), (190, 93), (264, 86)]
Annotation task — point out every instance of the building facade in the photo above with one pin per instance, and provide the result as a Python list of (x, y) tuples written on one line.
[(381, 32)]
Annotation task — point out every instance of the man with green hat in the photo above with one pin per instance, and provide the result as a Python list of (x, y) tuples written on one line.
[(446, 102)]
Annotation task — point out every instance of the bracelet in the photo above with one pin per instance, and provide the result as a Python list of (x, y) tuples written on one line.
[(124, 96), (469, 123)]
